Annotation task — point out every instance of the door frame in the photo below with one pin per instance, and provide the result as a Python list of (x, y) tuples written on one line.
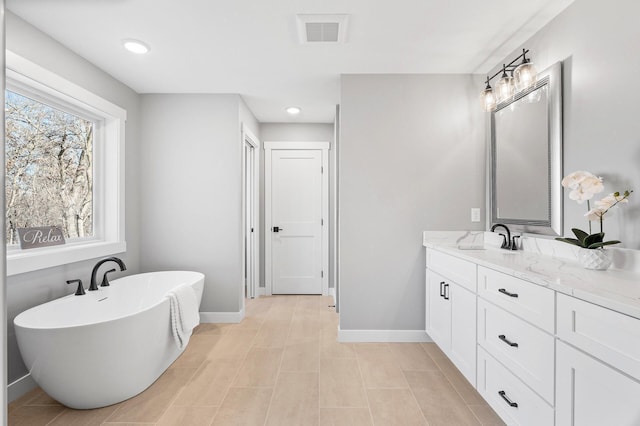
[(252, 217), (324, 148)]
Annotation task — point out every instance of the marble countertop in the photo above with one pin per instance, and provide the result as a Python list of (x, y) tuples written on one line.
[(616, 289)]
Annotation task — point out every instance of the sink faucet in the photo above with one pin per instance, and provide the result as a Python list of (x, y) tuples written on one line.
[(94, 272), (506, 242)]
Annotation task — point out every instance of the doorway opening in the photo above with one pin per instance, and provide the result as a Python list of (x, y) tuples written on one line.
[(250, 213)]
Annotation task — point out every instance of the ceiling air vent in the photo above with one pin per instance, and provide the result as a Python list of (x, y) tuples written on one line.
[(322, 28)]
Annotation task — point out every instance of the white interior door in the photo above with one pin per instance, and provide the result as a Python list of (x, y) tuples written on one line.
[(295, 204)]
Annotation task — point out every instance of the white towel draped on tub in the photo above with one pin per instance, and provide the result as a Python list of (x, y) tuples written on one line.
[(183, 303)]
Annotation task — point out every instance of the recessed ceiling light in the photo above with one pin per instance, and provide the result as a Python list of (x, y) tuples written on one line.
[(293, 110), (136, 46)]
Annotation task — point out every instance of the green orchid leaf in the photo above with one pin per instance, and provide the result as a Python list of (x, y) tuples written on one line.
[(593, 238), (570, 241), (580, 234), (602, 244)]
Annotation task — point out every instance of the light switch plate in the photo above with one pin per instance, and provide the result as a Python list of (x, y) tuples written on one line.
[(475, 214)]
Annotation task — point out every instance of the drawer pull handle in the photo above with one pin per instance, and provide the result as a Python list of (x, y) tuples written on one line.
[(503, 394), (446, 292), (504, 291), (504, 339), (441, 288)]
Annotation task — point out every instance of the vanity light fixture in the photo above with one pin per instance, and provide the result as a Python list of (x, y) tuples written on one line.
[(514, 79), (505, 87), (525, 75), (293, 110), (488, 98), (136, 46)]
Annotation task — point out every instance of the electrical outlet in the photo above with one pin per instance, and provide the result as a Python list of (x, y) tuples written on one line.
[(475, 214)]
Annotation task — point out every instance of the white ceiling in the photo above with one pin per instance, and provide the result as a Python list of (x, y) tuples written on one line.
[(251, 47)]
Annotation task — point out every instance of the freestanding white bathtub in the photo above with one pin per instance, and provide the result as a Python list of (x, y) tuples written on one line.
[(105, 346)]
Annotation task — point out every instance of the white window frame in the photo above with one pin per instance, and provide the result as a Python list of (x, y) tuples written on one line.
[(108, 195)]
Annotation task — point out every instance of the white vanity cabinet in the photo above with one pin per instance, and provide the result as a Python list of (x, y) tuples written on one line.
[(516, 355), (598, 369), (537, 355), (590, 392), (451, 309)]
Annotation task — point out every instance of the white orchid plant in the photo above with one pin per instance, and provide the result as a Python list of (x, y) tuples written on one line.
[(584, 186)]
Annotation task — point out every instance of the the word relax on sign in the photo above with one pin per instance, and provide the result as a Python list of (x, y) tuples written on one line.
[(40, 236)]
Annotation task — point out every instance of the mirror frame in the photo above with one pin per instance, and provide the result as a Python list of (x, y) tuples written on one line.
[(552, 77)]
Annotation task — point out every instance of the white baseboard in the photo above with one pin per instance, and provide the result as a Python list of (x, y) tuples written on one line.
[(222, 317), (388, 336), (261, 291), (21, 386)]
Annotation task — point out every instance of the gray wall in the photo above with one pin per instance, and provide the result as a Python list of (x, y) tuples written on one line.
[(191, 191), (31, 289), (248, 119), (297, 132), (597, 44), (412, 158)]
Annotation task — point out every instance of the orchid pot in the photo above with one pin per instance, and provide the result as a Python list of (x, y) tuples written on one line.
[(597, 259)]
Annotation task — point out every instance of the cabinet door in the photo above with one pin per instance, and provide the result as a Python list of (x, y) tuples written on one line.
[(438, 311), (607, 335), (589, 392), (463, 331)]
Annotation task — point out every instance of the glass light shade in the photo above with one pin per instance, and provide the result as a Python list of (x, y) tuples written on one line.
[(488, 99), (525, 76), (505, 88)]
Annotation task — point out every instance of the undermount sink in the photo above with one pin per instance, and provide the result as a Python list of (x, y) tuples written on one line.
[(471, 246)]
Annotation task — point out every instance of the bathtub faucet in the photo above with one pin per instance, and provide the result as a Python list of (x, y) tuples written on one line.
[(94, 272)]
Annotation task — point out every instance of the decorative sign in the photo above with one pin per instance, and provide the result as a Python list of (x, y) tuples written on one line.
[(40, 236)]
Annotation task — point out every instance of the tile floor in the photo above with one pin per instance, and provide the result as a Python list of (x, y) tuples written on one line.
[(282, 366)]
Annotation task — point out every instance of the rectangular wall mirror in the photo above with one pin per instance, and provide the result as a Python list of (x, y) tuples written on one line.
[(526, 157)]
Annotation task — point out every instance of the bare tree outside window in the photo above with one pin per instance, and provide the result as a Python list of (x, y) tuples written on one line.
[(49, 168)]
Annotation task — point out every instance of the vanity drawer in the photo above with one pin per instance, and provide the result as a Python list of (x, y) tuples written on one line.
[(457, 270), (526, 300), (514, 402), (524, 349), (608, 335)]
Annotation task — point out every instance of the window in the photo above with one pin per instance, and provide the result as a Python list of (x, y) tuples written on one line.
[(49, 168), (64, 164)]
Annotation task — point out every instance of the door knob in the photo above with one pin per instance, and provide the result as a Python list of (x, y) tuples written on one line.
[(277, 229)]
